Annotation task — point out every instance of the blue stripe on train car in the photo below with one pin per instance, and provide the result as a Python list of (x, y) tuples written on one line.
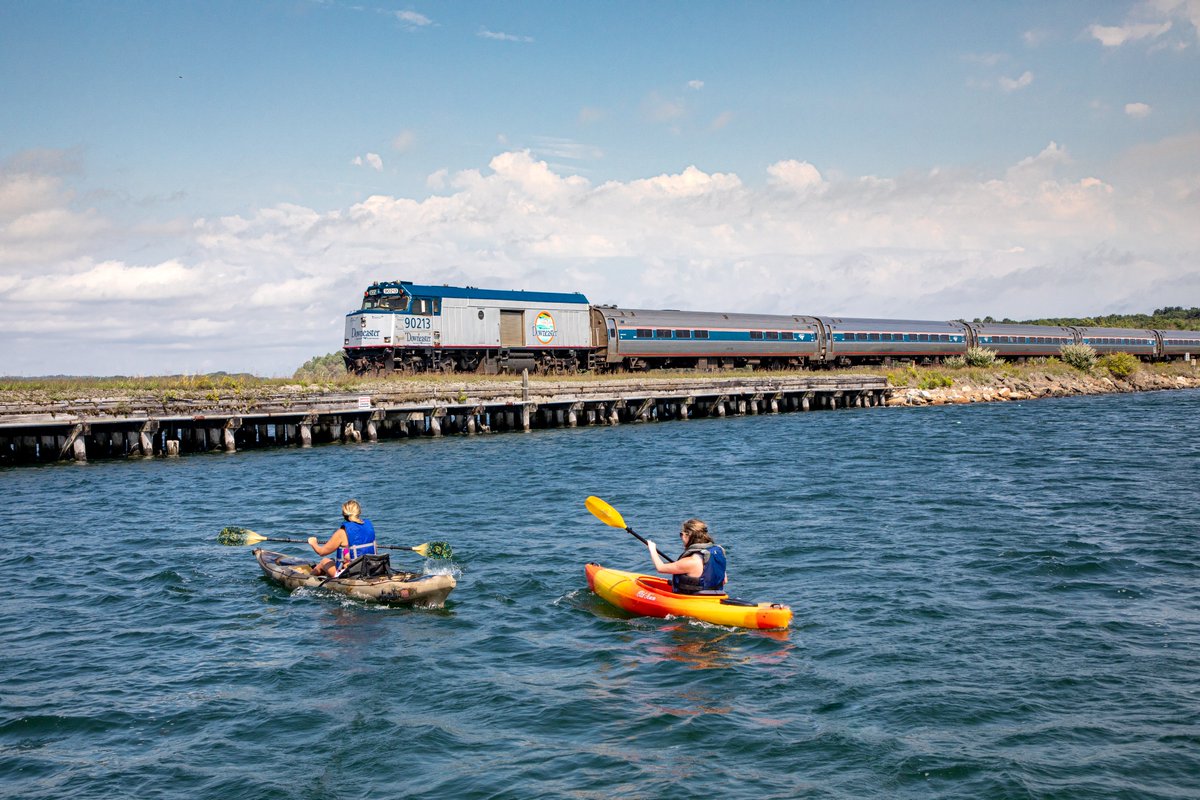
[(471, 293)]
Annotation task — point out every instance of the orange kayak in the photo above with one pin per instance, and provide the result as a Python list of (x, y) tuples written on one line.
[(649, 596)]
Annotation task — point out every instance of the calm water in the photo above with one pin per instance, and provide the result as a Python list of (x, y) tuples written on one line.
[(997, 601)]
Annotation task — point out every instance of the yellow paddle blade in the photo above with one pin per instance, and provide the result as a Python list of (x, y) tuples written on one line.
[(604, 512)]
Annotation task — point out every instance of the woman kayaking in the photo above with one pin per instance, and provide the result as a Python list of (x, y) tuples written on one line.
[(355, 538), (701, 566)]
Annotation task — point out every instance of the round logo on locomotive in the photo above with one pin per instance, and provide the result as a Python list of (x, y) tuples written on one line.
[(543, 327)]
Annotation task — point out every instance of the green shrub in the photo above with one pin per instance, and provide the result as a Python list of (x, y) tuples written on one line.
[(318, 368), (1120, 365), (980, 357), (934, 380), (1080, 356), (954, 362)]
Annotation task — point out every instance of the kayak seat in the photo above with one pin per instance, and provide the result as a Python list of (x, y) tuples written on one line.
[(369, 566), (733, 601)]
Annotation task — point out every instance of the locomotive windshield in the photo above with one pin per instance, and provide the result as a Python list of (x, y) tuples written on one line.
[(390, 299)]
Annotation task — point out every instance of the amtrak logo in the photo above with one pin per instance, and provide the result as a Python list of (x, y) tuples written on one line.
[(543, 328)]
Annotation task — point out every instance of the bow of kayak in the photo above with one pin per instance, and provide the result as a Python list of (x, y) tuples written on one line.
[(650, 596)]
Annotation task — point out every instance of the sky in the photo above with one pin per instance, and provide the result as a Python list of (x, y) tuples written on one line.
[(204, 186)]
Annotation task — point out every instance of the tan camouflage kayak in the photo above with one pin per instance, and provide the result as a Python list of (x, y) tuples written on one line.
[(399, 588)]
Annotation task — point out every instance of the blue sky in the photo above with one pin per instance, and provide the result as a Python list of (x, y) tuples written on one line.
[(230, 175)]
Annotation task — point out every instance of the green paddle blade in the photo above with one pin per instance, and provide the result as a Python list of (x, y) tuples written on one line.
[(436, 550), (233, 535), (604, 512)]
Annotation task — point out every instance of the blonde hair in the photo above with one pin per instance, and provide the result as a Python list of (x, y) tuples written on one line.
[(697, 531), (351, 509)]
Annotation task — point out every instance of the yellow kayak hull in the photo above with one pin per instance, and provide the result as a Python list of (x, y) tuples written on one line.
[(650, 596)]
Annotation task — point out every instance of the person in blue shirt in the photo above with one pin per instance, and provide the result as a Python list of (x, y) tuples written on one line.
[(355, 538), (701, 566)]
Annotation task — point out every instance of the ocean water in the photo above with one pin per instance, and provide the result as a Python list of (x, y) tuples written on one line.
[(991, 601)]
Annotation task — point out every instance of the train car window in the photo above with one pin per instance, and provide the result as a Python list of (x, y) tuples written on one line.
[(422, 306), (862, 337), (872, 337), (924, 337), (662, 333), (772, 335), (700, 334), (643, 333), (943, 337), (756, 334), (683, 334)]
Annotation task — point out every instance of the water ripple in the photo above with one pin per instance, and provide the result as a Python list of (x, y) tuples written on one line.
[(991, 601)]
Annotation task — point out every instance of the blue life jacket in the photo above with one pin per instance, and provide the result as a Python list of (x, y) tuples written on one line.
[(713, 577), (361, 539)]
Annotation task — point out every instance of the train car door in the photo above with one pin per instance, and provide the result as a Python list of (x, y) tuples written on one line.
[(613, 355), (512, 329)]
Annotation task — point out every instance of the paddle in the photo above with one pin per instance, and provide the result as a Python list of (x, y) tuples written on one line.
[(239, 536), (611, 517)]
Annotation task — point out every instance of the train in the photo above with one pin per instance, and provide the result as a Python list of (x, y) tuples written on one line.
[(403, 327)]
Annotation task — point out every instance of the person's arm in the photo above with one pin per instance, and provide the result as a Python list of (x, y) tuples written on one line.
[(337, 540), (684, 566)]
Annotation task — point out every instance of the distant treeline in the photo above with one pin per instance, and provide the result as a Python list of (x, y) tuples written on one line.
[(320, 368), (1169, 318)]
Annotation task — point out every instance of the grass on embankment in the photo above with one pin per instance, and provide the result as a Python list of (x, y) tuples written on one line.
[(942, 376), (221, 385)]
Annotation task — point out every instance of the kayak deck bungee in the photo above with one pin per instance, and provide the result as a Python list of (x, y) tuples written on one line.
[(650, 596), (401, 588)]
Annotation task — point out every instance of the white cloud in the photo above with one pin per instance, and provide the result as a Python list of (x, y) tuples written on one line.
[(1034, 37), (268, 289), (411, 20), (722, 120), (695, 85), (1013, 84), (661, 109), (1117, 35), (404, 141), (112, 280), (1137, 110), (498, 36), (372, 160), (795, 174)]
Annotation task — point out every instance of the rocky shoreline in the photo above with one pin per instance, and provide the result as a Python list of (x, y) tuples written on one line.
[(1035, 385)]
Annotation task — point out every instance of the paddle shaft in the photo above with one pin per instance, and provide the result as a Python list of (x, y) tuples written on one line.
[(638, 536), (305, 541)]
